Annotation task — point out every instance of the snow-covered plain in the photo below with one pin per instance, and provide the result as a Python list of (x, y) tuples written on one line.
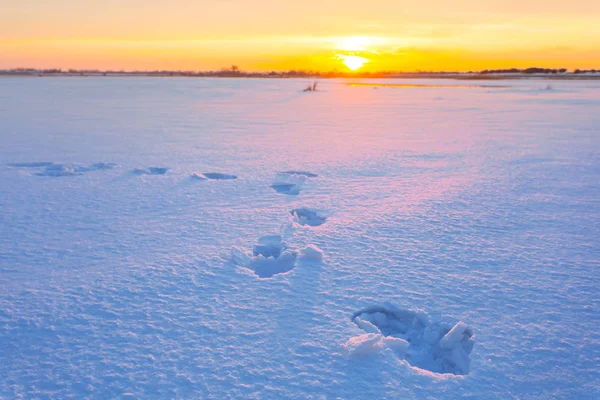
[(439, 243)]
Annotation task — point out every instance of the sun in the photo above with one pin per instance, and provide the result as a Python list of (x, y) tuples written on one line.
[(353, 62)]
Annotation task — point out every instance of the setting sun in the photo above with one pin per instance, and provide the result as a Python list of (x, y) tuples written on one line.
[(353, 62)]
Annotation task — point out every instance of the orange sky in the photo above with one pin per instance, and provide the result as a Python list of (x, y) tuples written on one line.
[(265, 35)]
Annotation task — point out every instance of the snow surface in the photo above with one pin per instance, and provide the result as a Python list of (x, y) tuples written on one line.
[(459, 256)]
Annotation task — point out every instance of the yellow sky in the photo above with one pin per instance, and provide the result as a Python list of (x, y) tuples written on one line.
[(265, 35)]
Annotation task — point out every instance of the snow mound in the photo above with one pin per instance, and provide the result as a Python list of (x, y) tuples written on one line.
[(301, 173), (308, 216), (150, 171), (218, 175), (365, 344), (431, 346), (311, 253), (56, 170)]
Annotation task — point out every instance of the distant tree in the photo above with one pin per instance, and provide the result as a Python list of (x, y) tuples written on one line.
[(535, 70)]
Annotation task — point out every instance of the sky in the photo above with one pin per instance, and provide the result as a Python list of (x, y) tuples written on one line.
[(324, 35)]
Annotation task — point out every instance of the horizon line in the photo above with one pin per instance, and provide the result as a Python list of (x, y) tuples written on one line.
[(236, 71)]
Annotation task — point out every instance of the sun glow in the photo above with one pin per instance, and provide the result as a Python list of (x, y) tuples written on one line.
[(354, 43), (353, 62)]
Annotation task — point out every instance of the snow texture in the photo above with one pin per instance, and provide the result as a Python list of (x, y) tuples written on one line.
[(474, 204)]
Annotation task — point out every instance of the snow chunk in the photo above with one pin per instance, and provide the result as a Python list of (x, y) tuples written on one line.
[(454, 336), (372, 343), (365, 344), (198, 176), (311, 253), (240, 257), (366, 326), (396, 344)]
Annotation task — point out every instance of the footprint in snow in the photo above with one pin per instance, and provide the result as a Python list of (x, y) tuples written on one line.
[(212, 175), (308, 216), (150, 171), (45, 168), (298, 172), (433, 346), (34, 164), (272, 256), (291, 182)]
